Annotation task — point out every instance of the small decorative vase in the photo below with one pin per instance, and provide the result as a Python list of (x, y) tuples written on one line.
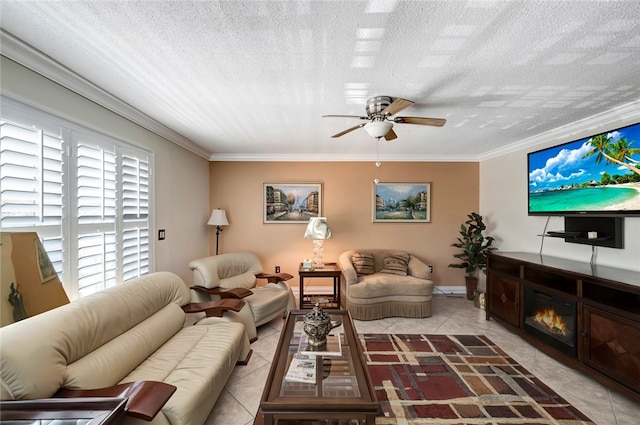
[(317, 325)]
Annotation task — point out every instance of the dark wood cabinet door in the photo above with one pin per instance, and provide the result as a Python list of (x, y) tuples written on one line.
[(504, 300), (612, 346)]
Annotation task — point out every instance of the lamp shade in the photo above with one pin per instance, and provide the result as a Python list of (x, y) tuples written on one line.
[(218, 218), (318, 228), (378, 129)]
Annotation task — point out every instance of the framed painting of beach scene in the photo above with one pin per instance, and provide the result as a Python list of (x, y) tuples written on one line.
[(291, 202), (401, 202)]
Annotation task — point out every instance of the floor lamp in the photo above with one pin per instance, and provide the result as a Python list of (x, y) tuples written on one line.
[(218, 218)]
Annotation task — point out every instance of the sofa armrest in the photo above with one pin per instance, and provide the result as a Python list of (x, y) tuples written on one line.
[(144, 398), (214, 308), (349, 272), (418, 269), (274, 277), (235, 293), (205, 271)]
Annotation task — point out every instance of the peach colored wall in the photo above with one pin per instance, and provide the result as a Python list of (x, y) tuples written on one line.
[(346, 202)]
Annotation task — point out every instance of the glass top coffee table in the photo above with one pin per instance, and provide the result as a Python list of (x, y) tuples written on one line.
[(341, 388)]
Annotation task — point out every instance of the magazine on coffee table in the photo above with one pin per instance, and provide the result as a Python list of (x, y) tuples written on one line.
[(302, 369), (333, 346)]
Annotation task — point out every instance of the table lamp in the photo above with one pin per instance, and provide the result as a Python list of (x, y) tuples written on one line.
[(318, 230)]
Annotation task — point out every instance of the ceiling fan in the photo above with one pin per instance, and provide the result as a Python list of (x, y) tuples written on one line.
[(380, 124)]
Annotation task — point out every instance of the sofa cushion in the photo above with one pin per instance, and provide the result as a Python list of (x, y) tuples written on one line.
[(267, 301), (379, 285), (363, 262), (98, 369), (198, 360), (396, 264)]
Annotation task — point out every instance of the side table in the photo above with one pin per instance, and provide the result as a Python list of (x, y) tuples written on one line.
[(329, 270)]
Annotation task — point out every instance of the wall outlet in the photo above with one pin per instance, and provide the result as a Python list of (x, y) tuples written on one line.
[(161, 235), (592, 235), (277, 269), (430, 269)]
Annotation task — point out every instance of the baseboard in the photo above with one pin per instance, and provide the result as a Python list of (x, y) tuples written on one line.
[(442, 290), (321, 290), (456, 291)]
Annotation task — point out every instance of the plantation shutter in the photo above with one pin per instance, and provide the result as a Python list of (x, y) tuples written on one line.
[(31, 180), (135, 188), (135, 215), (87, 196), (96, 216), (31, 176), (113, 197)]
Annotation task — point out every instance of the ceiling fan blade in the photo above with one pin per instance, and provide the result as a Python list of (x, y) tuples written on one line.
[(391, 135), (397, 106), (342, 133), (437, 122), (345, 116)]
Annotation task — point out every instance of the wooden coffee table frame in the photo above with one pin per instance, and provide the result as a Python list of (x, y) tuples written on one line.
[(276, 407)]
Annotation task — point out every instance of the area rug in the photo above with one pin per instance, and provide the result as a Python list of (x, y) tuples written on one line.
[(456, 379), (462, 379)]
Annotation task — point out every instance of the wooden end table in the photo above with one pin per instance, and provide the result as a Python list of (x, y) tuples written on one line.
[(342, 389), (331, 270)]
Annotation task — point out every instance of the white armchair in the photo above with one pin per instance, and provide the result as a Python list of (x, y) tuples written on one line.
[(235, 275)]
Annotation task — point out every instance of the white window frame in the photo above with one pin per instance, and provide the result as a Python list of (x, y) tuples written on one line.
[(69, 228)]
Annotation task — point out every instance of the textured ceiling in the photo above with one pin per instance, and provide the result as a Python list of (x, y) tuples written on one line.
[(245, 79)]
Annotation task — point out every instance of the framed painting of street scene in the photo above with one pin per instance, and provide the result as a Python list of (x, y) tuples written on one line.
[(291, 202), (401, 202)]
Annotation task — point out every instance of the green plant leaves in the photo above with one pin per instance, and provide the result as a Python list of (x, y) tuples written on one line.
[(475, 246)]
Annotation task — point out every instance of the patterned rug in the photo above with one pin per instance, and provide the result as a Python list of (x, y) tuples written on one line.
[(461, 380)]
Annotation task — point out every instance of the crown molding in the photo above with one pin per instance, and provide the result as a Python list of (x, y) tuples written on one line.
[(340, 158), (621, 116), (35, 60)]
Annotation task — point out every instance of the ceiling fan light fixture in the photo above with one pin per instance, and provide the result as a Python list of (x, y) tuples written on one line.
[(377, 129)]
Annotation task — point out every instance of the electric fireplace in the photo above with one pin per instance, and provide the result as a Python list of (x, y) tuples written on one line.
[(583, 315), (551, 319)]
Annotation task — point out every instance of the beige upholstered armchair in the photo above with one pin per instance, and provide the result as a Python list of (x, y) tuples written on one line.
[(235, 275), (378, 283)]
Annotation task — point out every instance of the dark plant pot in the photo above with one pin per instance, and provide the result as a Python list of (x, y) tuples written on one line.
[(472, 285)]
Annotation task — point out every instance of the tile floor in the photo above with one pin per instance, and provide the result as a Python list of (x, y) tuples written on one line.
[(240, 400)]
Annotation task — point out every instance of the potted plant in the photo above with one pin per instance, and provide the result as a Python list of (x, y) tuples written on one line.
[(475, 248)]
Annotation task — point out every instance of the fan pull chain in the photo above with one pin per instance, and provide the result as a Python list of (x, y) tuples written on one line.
[(376, 180)]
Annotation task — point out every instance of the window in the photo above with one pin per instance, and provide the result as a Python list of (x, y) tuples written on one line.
[(86, 195)]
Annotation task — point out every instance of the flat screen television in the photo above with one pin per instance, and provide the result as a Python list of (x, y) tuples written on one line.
[(598, 176)]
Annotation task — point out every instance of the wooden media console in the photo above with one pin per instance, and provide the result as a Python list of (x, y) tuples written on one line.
[(602, 311)]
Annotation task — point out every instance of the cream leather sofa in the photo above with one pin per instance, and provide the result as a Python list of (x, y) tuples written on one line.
[(134, 331), (371, 293), (221, 276)]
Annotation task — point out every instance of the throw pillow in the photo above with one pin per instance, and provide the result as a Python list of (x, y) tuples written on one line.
[(396, 264), (362, 262)]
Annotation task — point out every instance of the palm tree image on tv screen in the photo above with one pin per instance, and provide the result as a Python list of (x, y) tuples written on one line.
[(597, 174)]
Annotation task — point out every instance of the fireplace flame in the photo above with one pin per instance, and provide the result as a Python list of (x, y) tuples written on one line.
[(551, 320)]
